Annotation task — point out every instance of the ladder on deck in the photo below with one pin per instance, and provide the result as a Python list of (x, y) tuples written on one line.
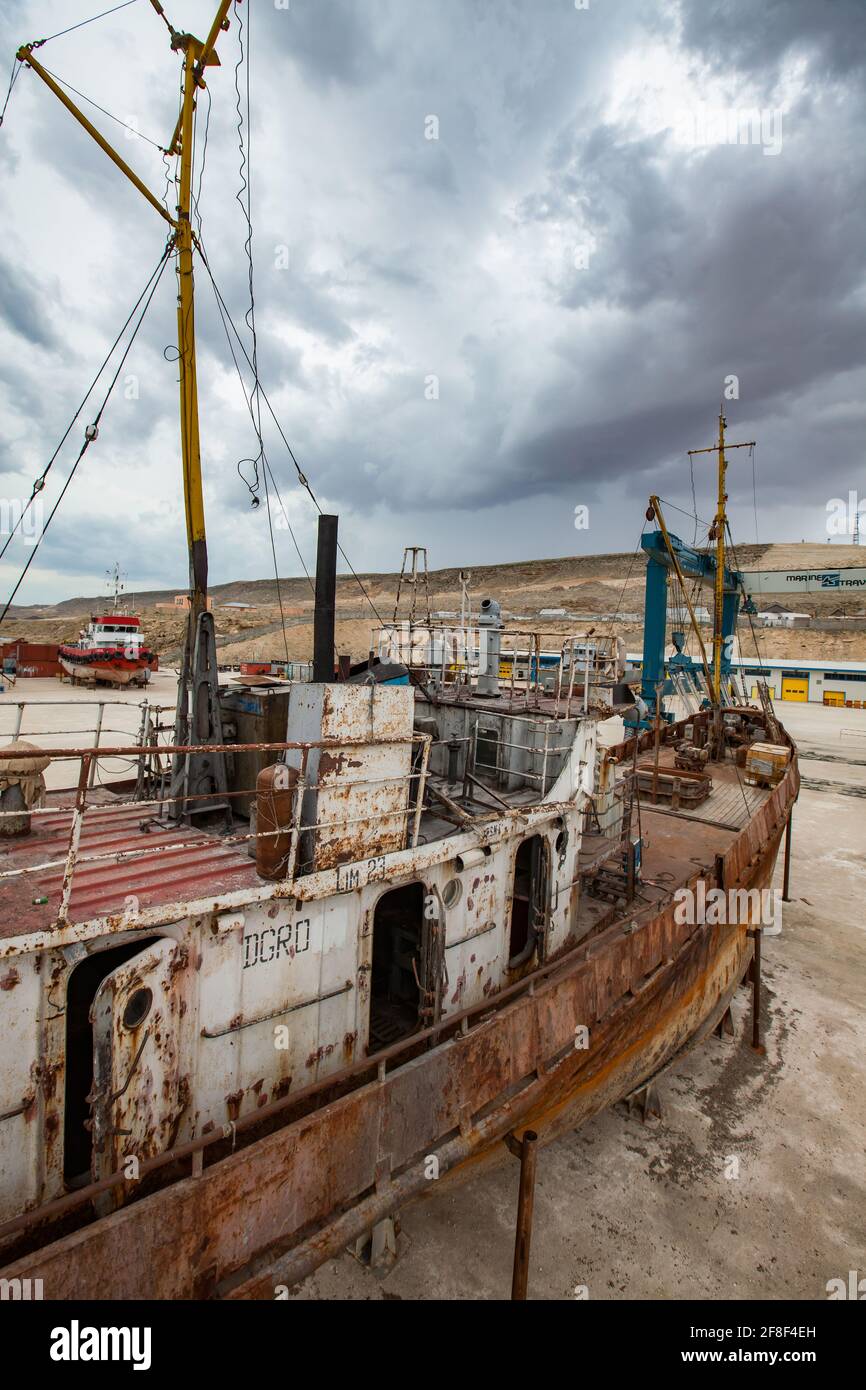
[(686, 692)]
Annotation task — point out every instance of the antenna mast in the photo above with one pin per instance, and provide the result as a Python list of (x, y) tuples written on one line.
[(717, 533), (115, 582)]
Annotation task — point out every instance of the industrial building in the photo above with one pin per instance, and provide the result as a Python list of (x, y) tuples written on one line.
[(821, 682), (839, 683), (777, 616)]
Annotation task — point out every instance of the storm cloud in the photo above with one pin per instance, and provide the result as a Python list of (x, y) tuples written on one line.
[(507, 256)]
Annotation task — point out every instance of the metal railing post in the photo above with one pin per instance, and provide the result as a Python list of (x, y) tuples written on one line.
[(300, 789), (97, 733), (74, 838), (572, 666), (544, 762), (422, 782)]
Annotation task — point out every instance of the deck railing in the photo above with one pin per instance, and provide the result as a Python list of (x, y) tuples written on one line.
[(145, 725), (532, 664), (407, 814)]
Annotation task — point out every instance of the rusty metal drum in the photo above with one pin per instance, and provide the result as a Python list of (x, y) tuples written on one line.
[(275, 801)]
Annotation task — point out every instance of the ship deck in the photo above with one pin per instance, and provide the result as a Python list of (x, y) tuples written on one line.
[(173, 862), (730, 804), (177, 862), (519, 700)]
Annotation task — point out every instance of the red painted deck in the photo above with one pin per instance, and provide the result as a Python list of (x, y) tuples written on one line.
[(199, 866)]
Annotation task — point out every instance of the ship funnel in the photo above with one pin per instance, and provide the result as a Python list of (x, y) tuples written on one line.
[(490, 635), (326, 596)]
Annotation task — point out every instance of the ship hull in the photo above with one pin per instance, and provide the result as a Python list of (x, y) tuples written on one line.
[(121, 672), (271, 1213), (647, 1034)]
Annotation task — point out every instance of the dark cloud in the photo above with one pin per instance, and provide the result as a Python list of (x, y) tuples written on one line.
[(466, 336), (756, 38), (25, 307), (332, 42)]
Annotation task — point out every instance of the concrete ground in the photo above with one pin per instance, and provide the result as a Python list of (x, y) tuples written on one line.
[(57, 714), (753, 1186)]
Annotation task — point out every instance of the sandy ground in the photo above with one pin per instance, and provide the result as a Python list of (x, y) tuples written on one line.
[(627, 1210)]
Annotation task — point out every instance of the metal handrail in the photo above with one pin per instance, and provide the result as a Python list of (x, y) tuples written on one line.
[(143, 710), (90, 756), (137, 750)]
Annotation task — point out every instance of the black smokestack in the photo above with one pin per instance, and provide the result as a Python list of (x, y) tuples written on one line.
[(326, 595)]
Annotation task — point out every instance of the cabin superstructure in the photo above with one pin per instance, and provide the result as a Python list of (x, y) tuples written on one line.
[(114, 630)]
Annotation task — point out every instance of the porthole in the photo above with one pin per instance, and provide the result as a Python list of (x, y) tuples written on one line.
[(452, 892), (137, 1007)]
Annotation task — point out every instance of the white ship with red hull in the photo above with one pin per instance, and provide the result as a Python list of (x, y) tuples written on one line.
[(111, 651)]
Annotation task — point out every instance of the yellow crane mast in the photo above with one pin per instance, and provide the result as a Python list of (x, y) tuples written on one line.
[(198, 718)]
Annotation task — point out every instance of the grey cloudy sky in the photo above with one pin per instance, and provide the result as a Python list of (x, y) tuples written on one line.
[(581, 258)]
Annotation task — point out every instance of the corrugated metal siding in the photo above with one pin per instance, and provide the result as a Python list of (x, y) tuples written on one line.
[(199, 867)]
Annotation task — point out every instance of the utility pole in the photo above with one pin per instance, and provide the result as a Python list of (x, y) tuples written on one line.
[(717, 533)]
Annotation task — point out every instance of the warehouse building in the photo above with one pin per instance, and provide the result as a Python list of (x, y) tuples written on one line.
[(839, 683), (823, 683), (784, 618)]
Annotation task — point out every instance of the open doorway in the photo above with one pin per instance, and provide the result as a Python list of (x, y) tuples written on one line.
[(81, 988), (395, 993), (528, 901)]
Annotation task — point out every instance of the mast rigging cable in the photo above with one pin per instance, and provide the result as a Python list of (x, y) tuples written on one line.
[(92, 431), (40, 481), (40, 43)]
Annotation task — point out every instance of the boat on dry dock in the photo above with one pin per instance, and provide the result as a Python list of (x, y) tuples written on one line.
[(338, 935), (111, 650), (461, 925)]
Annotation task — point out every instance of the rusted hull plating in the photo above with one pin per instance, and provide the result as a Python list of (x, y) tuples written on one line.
[(271, 1213)]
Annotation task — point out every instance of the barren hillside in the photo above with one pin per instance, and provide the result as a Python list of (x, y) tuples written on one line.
[(600, 588)]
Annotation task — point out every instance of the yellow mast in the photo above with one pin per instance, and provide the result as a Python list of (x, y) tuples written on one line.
[(197, 56), (189, 425), (717, 532), (720, 562)]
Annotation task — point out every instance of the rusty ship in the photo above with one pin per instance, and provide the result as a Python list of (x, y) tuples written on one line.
[(337, 934)]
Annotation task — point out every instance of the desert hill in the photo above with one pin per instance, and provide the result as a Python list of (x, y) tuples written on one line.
[(607, 588)]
